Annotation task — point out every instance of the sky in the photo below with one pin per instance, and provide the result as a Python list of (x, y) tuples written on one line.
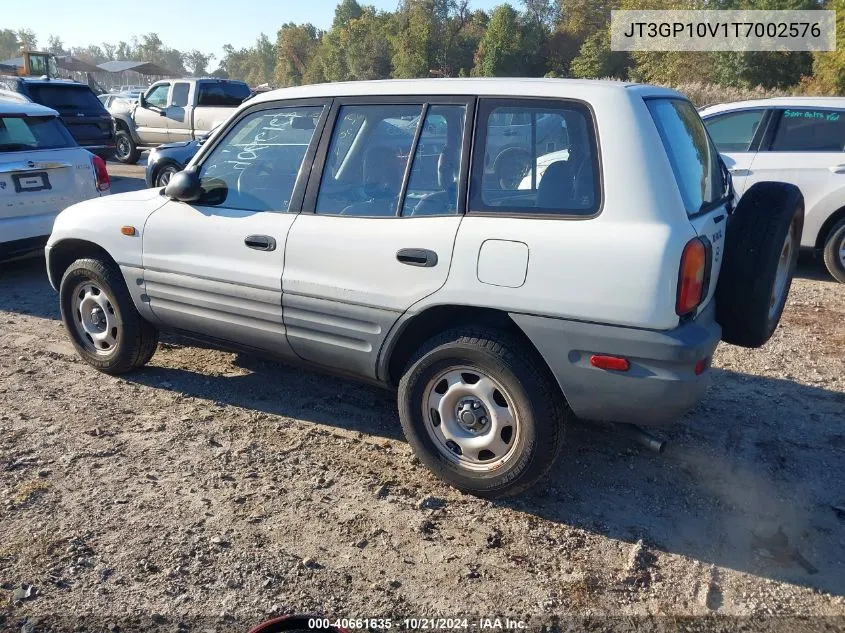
[(205, 25)]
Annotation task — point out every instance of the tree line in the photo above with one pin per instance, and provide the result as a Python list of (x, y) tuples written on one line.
[(449, 38)]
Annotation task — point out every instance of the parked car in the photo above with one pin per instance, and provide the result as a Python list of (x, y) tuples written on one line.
[(116, 102), (166, 160), (174, 111), (42, 171), (800, 140), (83, 114), (314, 227)]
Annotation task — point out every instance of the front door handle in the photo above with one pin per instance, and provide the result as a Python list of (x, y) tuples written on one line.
[(417, 257), (260, 242), (740, 172), (837, 169)]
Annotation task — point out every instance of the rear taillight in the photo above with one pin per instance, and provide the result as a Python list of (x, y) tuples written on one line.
[(692, 278), (101, 174)]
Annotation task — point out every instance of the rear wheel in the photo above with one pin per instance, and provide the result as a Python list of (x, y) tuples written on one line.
[(834, 252), (101, 320), (126, 151), (482, 412), (762, 241)]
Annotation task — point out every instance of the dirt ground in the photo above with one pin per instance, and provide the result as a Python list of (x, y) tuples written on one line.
[(213, 490)]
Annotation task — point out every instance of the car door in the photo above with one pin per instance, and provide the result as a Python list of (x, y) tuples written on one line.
[(179, 113), (151, 118), (214, 267), (378, 225), (804, 146), (737, 135)]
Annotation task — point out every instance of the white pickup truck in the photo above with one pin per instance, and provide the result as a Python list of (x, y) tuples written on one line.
[(175, 110)]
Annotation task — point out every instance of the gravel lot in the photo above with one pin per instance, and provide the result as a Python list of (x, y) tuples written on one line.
[(211, 490)]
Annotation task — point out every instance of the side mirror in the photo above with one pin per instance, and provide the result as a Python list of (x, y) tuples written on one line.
[(142, 100), (184, 186)]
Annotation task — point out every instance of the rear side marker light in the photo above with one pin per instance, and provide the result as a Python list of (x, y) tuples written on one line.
[(692, 277), (101, 174), (614, 363), (701, 366)]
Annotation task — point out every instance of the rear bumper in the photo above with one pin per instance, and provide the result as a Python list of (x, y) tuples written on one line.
[(660, 385)]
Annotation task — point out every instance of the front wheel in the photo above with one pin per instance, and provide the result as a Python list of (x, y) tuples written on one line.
[(101, 320), (482, 412), (164, 174), (125, 150), (834, 252)]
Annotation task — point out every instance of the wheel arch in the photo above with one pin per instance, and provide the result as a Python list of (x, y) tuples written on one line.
[(409, 334), (123, 122), (63, 253), (833, 219)]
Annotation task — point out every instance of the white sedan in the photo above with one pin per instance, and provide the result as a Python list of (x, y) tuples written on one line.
[(42, 171)]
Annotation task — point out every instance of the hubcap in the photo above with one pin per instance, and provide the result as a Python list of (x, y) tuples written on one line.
[(95, 318), (471, 418), (122, 147), (164, 176), (778, 297)]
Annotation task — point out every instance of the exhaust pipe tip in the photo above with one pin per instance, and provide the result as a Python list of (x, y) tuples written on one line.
[(643, 437)]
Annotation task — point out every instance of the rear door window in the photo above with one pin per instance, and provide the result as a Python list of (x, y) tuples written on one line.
[(694, 158), (180, 94), (22, 133), (735, 131), (65, 97), (809, 130)]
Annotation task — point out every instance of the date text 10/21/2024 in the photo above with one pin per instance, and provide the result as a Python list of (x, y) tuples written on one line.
[(420, 624)]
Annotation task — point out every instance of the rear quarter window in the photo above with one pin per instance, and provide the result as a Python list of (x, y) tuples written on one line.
[(229, 94), (810, 130), (694, 158)]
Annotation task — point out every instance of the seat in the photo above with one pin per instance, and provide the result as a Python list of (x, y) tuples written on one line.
[(383, 171), (442, 202)]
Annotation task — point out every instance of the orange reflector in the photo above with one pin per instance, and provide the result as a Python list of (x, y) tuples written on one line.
[(610, 362), (127, 230), (700, 366)]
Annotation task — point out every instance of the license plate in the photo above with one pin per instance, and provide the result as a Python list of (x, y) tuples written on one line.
[(36, 181)]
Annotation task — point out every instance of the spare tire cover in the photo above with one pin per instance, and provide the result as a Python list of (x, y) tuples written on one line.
[(762, 240)]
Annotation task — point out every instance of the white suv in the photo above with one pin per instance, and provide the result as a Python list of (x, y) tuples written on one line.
[(800, 140), (362, 228), (42, 171)]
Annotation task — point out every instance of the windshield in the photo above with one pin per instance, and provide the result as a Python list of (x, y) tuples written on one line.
[(65, 97), (695, 161), (20, 133)]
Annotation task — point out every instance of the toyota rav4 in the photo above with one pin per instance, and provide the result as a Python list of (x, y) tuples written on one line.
[(362, 228)]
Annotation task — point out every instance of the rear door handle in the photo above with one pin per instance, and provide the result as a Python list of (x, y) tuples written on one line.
[(740, 172), (837, 169), (260, 242), (417, 257)]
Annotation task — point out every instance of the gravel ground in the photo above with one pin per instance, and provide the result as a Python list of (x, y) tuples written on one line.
[(212, 489)]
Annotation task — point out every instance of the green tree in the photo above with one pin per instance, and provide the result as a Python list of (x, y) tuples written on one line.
[(27, 39), (501, 52), (829, 66), (346, 11), (296, 45), (197, 62), (56, 46), (596, 60), (9, 45)]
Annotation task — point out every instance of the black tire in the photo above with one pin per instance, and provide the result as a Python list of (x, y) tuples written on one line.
[(136, 338), (535, 396), (126, 151), (748, 303), (164, 173), (834, 246)]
